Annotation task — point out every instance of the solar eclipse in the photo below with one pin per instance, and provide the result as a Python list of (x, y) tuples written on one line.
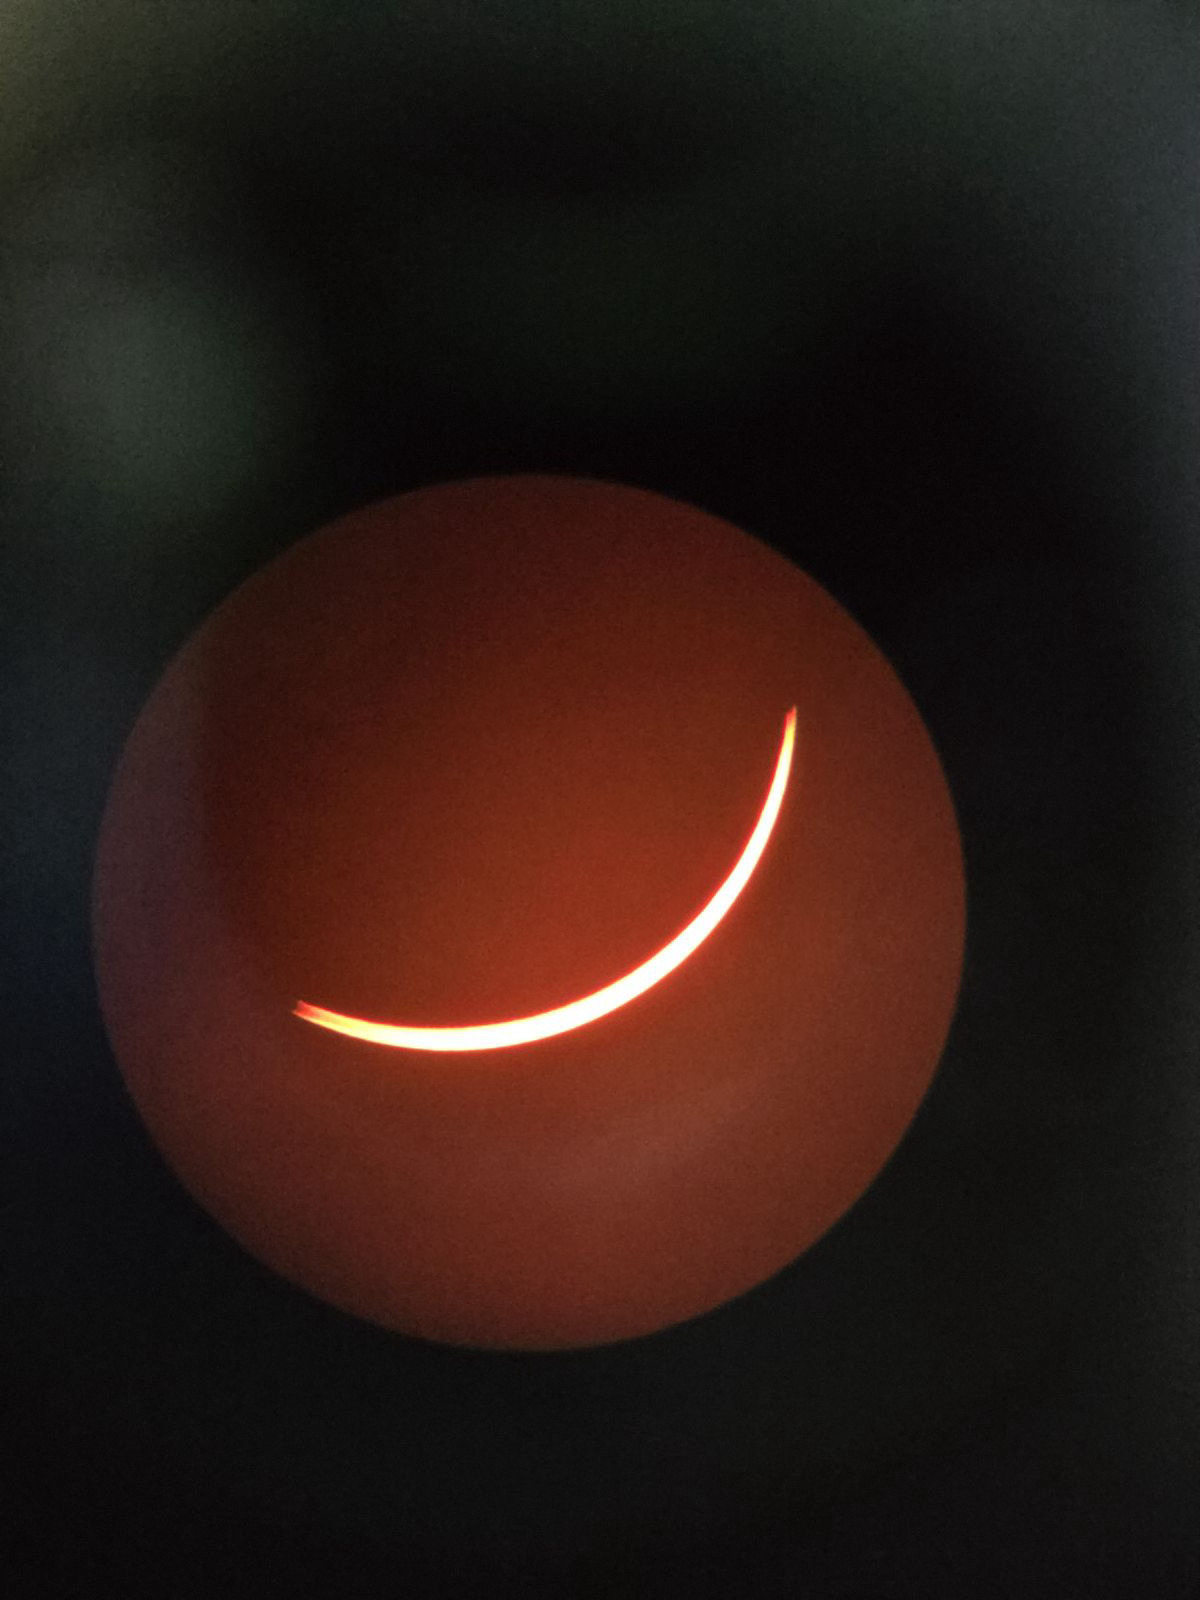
[(588, 1008), (470, 754)]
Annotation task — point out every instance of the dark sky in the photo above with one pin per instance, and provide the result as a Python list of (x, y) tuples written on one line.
[(910, 293)]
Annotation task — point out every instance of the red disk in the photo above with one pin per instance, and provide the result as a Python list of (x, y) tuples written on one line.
[(474, 755)]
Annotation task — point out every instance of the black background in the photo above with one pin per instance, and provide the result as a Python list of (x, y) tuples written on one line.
[(908, 291)]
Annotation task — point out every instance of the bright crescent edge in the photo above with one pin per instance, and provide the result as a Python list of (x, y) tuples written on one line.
[(590, 1008)]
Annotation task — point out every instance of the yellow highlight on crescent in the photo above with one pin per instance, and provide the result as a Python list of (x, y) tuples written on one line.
[(561, 1019)]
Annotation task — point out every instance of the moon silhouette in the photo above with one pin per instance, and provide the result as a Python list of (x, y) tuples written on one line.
[(591, 1007), (467, 752)]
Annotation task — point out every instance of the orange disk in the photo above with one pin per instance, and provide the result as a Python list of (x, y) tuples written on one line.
[(479, 755)]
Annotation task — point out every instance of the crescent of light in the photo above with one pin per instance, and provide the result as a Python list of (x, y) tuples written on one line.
[(545, 1024)]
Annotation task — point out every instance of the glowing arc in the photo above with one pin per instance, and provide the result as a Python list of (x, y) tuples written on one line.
[(591, 1007)]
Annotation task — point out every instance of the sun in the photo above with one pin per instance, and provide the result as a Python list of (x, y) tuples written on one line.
[(590, 1007), (631, 824)]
